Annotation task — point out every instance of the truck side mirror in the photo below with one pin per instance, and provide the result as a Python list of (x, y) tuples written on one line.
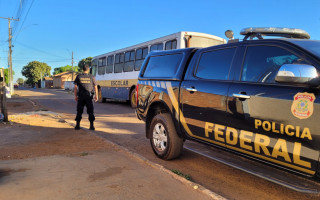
[(298, 74)]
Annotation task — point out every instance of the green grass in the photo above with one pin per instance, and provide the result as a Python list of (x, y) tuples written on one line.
[(186, 176), (84, 154)]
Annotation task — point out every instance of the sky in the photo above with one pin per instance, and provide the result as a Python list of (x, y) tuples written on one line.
[(50, 30)]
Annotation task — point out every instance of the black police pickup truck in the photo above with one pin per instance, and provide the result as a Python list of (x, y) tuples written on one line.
[(259, 98)]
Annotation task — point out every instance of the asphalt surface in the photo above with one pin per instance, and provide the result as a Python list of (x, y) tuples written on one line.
[(116, 121)]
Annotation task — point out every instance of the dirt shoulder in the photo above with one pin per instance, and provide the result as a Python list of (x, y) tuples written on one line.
[(33, 132), (43, 157)]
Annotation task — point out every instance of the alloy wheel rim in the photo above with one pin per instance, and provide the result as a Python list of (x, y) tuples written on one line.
[(160, 137)]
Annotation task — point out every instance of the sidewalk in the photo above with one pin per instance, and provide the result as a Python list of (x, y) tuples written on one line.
[(43, 157)]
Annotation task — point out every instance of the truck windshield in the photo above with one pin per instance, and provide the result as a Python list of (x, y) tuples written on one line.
[(310, 45)]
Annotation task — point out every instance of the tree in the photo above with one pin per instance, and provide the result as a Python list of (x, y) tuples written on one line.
[(34, 70), (84, 61), (20, 81), (6, 75), (66, 68)]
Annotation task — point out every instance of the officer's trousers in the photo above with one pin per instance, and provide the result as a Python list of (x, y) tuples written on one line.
[(85, 100)]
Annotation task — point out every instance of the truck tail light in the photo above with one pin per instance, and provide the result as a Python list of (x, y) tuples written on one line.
[(137, 94)]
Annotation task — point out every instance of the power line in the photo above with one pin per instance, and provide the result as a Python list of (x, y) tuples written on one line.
[(39, 50), (24, 20), (19, 10)]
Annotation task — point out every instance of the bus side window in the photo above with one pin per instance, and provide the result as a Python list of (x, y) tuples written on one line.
[(144, 52), (127, 57), (109, 68), (171, 45), (118, 67), (158, 46), (101, 66), (121, 57), (139, 54), (139, 58), (132, 55), (129, 61), (94, 67)]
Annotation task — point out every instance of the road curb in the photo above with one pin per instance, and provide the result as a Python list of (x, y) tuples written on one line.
[(136, 156)]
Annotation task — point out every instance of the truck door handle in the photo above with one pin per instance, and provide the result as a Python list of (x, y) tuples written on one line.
[(241, 96), (191, 89)]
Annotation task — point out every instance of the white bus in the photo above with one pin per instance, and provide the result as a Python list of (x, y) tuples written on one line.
[(117, 72)]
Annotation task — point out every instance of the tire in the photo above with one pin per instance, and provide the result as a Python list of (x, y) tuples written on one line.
[(100, 98), (132, 100), (165, 142)]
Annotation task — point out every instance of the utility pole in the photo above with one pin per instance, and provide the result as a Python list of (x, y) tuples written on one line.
[(72, 65), (10, 54)]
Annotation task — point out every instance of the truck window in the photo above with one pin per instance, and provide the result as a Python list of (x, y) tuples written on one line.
[(215, 64), (262, 63), (163, 66)]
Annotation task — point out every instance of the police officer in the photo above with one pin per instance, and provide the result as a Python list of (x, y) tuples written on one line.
[(84, 87)]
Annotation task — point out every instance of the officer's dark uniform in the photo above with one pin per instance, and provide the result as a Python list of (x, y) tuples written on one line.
[(85, 83)]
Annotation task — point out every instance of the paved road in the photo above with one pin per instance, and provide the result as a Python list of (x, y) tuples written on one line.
[(117, 123)]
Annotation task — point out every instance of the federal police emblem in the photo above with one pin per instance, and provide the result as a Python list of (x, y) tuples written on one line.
[(302, 106)]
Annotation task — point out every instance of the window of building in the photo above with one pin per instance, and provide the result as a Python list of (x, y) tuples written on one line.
[(163, 66), (263, 62), (215, 65)]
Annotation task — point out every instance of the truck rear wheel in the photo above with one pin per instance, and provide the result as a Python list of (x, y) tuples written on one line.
[(165, 142)]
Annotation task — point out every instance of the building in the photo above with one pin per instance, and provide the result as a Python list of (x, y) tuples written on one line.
[(61, 78), (47, 82)]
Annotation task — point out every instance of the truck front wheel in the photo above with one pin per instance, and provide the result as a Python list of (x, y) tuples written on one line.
[(165, 142)]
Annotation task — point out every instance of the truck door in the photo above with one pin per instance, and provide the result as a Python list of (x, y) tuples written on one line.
[(204, 92), (273, 121)]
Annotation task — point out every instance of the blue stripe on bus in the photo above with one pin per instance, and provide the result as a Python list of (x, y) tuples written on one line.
[(120, 93)]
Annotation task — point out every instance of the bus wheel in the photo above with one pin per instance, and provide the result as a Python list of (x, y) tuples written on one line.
[(133, 101), (100, 98)]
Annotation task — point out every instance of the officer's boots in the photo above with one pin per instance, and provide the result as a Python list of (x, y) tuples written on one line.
[(91, 126), (77, 125)]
